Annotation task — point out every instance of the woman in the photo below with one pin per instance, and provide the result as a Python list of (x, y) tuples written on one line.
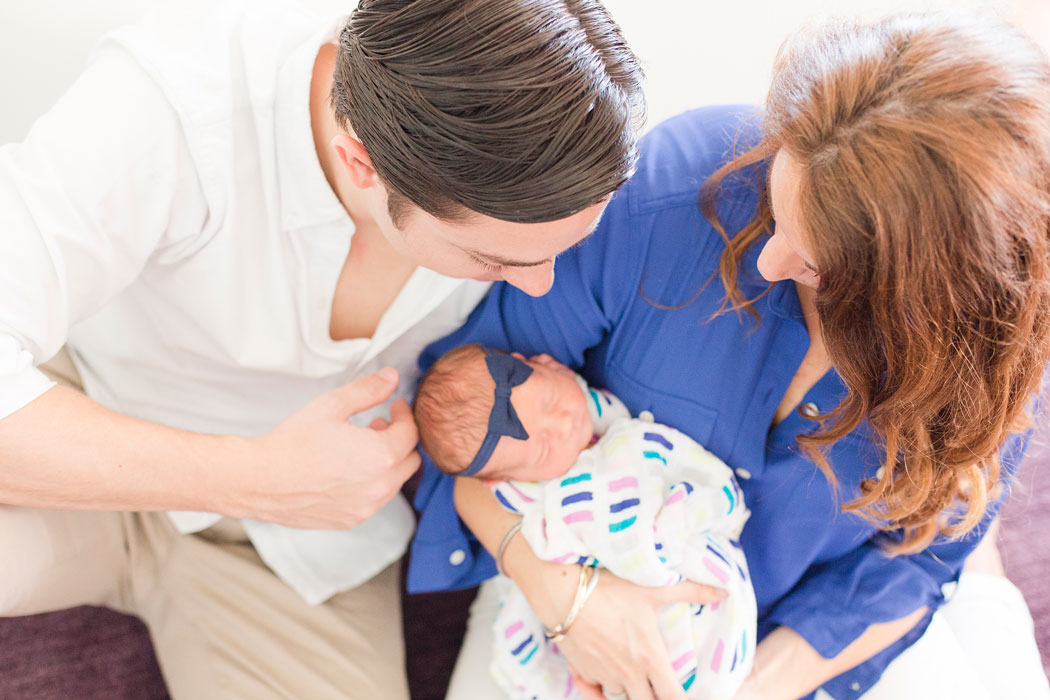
[(872, 399)]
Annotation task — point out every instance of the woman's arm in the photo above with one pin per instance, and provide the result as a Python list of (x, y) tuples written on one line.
[(787, 667), (849, 608), (617, 651)]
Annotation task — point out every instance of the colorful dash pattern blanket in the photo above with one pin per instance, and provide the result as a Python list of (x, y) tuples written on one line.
[(652, 506)]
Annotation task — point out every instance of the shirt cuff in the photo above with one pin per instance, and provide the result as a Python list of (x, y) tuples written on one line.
[(20, 381)]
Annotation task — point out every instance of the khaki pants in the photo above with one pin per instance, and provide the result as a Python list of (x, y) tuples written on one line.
[(222, 624)]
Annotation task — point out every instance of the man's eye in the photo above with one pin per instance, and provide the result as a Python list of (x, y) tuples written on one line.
[(487, 266)]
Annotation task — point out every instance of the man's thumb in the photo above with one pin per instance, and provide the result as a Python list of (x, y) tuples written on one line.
[(366, 392)]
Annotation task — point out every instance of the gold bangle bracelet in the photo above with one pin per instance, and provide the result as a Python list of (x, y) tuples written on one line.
[(513, 530), (586, 584)]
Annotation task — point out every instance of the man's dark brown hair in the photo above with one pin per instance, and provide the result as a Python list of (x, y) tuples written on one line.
[(522, 110)]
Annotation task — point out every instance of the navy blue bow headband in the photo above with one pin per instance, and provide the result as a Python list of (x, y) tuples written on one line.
[(508, 372)]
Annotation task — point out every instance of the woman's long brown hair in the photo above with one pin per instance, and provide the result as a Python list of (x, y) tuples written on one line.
[(924, 142)]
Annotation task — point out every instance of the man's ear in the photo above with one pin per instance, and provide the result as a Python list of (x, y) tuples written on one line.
[(355, 160)]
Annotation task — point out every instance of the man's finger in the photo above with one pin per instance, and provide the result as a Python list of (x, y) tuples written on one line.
[(408, 466), (688, 592), (400, 432), (400, 410), (379, 423), (366, 392)]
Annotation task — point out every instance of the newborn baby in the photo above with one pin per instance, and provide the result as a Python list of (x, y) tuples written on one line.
[(596, 487)]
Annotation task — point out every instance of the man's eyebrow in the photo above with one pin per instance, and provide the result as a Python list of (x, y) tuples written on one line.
[(504, 262)]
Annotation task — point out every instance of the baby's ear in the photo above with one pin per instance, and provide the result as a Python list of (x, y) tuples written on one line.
[(544, 359)]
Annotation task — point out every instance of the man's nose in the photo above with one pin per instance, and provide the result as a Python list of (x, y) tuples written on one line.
[(535, 281)]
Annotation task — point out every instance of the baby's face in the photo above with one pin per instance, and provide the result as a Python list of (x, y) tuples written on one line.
[(553, 409)]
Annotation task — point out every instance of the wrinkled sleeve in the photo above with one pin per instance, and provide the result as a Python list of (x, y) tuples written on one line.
[(592, 286), (85, 200), (835, 602)]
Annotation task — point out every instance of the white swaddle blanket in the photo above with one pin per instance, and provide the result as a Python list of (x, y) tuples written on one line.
[(652, 506)]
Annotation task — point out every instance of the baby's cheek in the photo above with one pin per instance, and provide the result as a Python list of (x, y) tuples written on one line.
[(558, 468)]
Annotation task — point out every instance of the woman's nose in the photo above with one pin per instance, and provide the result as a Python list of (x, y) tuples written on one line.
[(778, 261)]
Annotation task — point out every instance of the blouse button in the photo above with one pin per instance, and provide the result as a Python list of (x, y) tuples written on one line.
[(809, 410), (743, 473), (646, 416), (457, 557)]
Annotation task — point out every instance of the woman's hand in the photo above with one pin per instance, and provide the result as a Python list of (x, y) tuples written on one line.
[(615, 643)]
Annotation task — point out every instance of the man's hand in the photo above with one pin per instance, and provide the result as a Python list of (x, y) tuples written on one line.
[(318, 470)]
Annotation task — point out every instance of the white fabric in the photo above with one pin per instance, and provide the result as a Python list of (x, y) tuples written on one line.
[(169, 220), (652, 506), (979, 646)]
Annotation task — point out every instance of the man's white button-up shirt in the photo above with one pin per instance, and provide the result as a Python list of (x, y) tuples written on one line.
[(168, 219)]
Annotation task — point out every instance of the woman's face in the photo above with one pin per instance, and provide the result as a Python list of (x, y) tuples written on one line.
[(786, 256)]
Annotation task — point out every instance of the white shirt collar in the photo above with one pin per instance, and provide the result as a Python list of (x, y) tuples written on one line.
[(306, 199)]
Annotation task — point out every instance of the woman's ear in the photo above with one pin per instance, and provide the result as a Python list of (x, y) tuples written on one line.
[(355, 160)]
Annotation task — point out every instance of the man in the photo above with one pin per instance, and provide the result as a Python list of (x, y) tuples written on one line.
[(244, 228)]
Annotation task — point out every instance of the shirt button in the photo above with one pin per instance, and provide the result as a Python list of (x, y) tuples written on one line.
[(457, 557), (743, 473), (809, 410), (854, 686), (646, 416)]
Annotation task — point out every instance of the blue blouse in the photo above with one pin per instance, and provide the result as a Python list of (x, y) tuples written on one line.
[(632, 308)]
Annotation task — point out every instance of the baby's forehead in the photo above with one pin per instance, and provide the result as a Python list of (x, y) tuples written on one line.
[(478, 371)]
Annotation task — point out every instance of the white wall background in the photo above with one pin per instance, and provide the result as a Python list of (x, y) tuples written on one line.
[(695, 51)]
